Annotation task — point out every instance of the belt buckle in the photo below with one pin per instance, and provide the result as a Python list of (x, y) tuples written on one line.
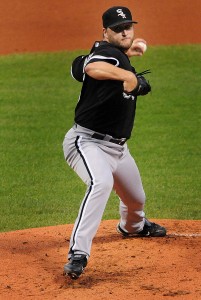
[(122, 141)]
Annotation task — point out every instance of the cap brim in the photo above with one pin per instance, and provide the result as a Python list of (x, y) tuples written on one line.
[(122, 22)]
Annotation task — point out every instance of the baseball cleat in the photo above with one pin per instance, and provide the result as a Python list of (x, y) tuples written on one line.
[(76, 266), (150, 229)]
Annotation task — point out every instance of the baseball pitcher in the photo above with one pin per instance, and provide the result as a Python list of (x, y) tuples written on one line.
[(95, 147)]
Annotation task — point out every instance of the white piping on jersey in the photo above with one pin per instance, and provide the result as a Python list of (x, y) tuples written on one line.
[(72, 69), (101, 57), (72, 73), (91, 56)]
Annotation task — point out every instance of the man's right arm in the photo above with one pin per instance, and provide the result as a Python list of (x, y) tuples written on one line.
[(106, 71)]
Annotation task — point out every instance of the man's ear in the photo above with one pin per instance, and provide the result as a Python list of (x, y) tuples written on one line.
[(105, 33)]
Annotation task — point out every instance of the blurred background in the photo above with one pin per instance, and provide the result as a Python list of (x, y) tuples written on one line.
[(27, 25)]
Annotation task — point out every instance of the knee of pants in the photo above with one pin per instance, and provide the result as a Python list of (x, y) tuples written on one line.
[(104, 183), (135, 201)]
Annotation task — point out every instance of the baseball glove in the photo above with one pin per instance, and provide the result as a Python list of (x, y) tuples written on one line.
[(143, 87)]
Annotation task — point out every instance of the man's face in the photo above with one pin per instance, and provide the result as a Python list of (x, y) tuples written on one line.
[(121, 36)]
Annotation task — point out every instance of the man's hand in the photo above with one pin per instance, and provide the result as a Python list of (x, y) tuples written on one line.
[(135, 49)]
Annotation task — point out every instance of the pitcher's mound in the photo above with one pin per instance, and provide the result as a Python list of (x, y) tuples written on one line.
[(139, 268)]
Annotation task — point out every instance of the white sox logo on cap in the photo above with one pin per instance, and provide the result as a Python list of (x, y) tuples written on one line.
[(120, 13), (117, 15)]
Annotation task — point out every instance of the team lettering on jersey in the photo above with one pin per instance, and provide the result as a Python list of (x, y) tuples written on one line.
[(128, 96)]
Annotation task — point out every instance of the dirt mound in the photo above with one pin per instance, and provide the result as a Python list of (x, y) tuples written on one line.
[(139, 268)]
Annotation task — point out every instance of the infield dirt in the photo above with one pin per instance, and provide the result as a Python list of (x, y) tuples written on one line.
[(138, 268)]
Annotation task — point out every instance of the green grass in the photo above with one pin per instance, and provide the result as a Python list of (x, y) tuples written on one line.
[(38, 96)]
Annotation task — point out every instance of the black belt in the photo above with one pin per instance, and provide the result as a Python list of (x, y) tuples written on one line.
[(104, 137)]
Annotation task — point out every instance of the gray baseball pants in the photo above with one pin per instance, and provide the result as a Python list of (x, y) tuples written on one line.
[(102, 166)]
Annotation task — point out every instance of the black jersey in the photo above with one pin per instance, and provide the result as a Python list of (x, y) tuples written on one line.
[(103, 105)]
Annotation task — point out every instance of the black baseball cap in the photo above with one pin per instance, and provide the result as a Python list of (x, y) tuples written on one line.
[(117, 15)]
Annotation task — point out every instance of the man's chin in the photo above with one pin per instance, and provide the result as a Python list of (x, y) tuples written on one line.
[(126, 46)]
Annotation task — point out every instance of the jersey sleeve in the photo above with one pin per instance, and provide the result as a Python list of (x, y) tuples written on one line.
[(104, 55), (77, 67)]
